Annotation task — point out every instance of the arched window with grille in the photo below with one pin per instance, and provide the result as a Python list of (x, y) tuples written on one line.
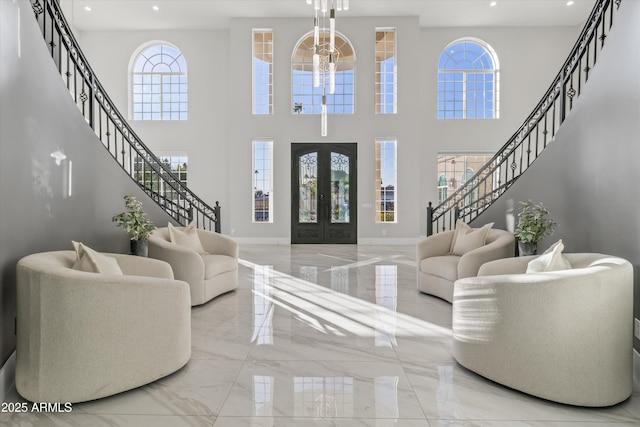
[(307, 99), (468, 81), (159, 89)]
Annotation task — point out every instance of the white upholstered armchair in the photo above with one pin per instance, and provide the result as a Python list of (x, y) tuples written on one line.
[(564, 335), (210, 271), (438, 268), (83, 335)]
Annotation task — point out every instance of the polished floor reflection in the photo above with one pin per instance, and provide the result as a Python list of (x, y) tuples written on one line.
[(325, 335)]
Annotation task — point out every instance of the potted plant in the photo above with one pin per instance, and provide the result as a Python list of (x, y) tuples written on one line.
[(135, 222), (533, 226)]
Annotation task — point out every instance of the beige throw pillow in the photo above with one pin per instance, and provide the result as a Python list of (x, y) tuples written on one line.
[(551, 260), (468, 239), (461, 227), (94, 262), (187, 237)]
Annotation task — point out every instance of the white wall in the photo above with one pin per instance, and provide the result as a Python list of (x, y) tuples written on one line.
[(218, 135)]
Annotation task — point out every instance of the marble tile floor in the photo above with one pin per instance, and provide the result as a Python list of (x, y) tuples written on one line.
[(325, 335)]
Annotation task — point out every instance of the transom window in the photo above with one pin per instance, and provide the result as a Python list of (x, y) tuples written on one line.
[(468, 81), (262, 72), (159, 84), (307, 99), (386, 71)]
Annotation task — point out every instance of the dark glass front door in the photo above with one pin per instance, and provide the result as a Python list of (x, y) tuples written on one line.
[(323, 189)]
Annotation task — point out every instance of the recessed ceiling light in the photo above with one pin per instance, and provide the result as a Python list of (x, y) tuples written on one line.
[(155, 7), (570, 3), (87, 8), (493, 3)]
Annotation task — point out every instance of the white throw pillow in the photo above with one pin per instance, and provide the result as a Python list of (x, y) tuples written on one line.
[(551, 260), (468, 239), (94, 262), (187, 237)]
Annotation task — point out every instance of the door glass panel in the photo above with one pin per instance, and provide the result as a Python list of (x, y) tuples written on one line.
[(339, 188), (308, 185)]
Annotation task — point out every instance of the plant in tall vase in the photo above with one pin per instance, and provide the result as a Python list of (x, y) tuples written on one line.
[(533, 226), (135, 222)]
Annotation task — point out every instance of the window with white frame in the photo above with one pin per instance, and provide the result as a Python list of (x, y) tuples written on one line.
[(307, 99), (151, 179), (263, 71), (468, 81), (262, 180), (455, 169), (386, 71), (385, 180), (159, 89)]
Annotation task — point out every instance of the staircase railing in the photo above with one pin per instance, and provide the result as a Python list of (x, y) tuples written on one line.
[(110, 126), (533, 136)]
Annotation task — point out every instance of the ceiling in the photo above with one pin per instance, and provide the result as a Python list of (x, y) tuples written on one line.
[(216, 14)]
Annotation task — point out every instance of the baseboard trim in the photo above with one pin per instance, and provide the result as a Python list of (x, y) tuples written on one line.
[(7, 376), (636, 371)]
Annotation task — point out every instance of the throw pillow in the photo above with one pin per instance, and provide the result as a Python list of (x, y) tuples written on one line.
[(461, 228), (187, 237), (551, 260), (94, 262), (468, 240)]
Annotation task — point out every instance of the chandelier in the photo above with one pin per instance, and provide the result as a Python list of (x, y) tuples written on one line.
[(325, 55)]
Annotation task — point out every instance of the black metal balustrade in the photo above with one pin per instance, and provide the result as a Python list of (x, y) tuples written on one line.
[(109, 125), (539, 130)]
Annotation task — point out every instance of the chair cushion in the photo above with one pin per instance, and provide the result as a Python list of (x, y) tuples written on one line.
[(187, 237), (551, 260), (441, 266), (218, 264), (468, 239), (91, 261)]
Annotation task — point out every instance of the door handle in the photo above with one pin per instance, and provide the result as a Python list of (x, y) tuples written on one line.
[(322, 197)]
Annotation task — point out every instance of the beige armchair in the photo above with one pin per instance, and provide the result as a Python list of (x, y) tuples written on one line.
[(437, 269), (209, 274), (564, 335), (82, 336)]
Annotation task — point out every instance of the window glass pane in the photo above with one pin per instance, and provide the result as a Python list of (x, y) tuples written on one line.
[(474, 64), (342, 101), (385, 75), (385, 182), (262, 72), (262, 178), (156, 68), (454, 169)]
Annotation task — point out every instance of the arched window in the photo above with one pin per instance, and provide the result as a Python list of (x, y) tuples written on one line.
[(306, 99), (159, 84), (468, 81)]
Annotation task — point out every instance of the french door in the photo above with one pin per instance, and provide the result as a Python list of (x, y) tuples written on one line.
[(323, 190)]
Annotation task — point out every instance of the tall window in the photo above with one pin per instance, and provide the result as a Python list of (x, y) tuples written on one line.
[(159, 84), (262, 72), (455, 169), (262, 171), (468, 81), (307, 99), (386, 188), (386, 71)]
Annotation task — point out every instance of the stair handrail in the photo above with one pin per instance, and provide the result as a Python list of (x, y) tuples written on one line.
[(135, 158), (493, 178)]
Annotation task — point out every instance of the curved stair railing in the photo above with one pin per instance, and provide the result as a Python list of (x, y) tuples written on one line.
[(109, 125), (533, 136)]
